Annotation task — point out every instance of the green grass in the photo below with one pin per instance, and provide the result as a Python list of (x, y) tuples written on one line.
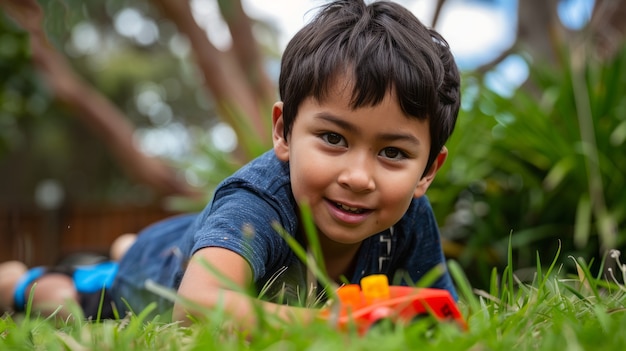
[(554, 311)]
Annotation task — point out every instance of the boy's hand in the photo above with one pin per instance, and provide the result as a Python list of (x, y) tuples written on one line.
[(220, 277), (204, 287)]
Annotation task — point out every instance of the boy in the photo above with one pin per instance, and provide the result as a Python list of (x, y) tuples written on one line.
[(369, 98)]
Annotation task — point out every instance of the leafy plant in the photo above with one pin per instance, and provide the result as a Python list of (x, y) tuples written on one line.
[(546, 164), (20, 92)]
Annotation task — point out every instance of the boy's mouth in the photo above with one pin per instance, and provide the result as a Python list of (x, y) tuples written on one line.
[(346, 208)]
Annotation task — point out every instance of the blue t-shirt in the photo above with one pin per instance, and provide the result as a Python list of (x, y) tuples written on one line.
[(241, 217)]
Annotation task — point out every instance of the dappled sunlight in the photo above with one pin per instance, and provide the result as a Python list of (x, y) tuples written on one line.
[(130, 23)]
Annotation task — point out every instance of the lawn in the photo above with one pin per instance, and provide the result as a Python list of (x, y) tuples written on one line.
[(554, 311)]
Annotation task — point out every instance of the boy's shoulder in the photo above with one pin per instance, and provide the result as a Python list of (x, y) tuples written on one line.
[(266, 174), (419, 216)]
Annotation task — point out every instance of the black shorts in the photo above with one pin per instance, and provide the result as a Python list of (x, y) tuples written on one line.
[(97, 304)]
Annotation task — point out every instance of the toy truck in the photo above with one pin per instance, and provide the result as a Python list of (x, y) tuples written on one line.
[(374, 300)]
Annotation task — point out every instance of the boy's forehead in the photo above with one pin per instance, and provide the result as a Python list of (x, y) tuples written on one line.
[(343, 85)]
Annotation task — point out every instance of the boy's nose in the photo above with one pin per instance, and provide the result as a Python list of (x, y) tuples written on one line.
[(357, 175)]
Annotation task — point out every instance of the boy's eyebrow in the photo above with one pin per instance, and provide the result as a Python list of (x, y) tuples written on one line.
[(408, 137), (338, 121)]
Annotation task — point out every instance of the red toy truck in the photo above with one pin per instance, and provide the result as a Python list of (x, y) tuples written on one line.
[(374, 300)]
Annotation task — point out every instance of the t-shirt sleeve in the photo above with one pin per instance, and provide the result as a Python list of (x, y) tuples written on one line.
[(241, 220), (423, 250)]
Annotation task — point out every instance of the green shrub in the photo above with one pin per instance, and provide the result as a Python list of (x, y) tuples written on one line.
[(546, 165)]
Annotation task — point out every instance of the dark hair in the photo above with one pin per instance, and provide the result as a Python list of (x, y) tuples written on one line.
[(379, 46)]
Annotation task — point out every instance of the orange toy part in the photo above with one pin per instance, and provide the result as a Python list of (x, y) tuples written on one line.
[(374, 300)]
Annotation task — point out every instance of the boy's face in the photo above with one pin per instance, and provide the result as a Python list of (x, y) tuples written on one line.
[(357, 169)]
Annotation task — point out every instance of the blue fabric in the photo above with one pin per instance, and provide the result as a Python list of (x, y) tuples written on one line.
[(93, 278), (240, 218), (155, 256)]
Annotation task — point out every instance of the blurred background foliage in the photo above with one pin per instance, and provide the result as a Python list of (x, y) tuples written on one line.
[(541, 165), (543, 169)]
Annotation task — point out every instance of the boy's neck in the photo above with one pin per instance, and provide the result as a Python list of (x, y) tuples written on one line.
[(339, 259)]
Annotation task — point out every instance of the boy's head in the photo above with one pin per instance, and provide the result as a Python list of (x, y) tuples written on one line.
[(380, 47)]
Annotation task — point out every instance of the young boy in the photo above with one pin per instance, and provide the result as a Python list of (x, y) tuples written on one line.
[(369, 98)]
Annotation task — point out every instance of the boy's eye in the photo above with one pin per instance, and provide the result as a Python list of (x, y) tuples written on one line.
[(333, 138), (392, 153)]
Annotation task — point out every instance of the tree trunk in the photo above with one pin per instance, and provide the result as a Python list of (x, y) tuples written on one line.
[(538, 30), (608, 27)]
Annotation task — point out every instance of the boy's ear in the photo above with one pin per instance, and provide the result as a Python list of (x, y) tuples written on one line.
[(428, 178), (281, 147)]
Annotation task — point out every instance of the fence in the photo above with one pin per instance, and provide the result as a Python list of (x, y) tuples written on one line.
[(39, 238)]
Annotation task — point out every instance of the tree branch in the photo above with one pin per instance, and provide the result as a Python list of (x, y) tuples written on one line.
[(235, 98), (437, 12), (246, 48), (98, 113)]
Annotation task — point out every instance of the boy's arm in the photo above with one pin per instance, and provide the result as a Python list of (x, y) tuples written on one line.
[(203, 287)]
